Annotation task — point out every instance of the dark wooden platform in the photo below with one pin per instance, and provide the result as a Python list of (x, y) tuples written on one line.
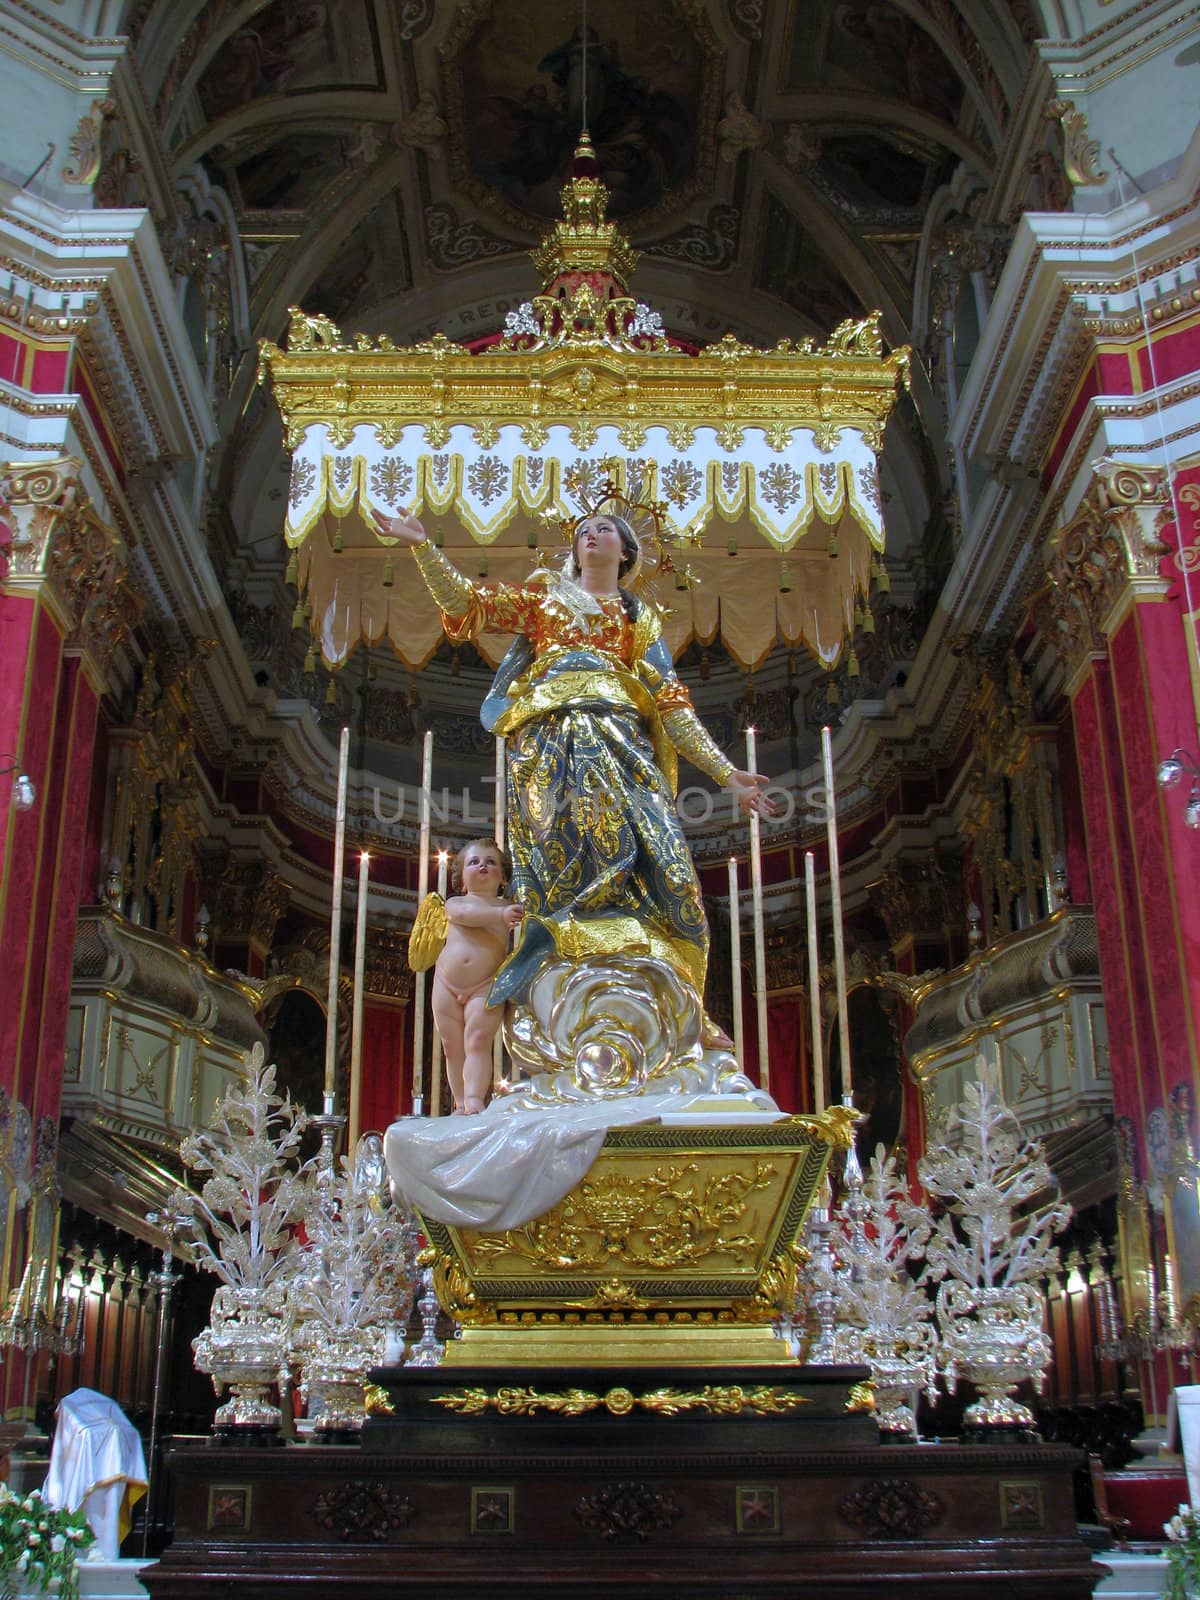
[(623, 1499)]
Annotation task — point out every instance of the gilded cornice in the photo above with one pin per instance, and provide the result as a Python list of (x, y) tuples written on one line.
[(623, 378)]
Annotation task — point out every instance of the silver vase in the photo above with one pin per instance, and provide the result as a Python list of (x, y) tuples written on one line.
[(333, 1375), (994, 1338), (243, 1350)]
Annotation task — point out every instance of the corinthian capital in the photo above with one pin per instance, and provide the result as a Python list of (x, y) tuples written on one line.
[(1109, 550), (38, 496), (59, 540)]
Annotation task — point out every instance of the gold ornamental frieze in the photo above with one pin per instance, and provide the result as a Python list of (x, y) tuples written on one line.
[(718, 1400)]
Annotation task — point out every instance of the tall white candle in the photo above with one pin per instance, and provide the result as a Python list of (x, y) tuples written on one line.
[(435, 1071), (760, 944), (735, 960), (423, 804), (335, 923), (422, 890), (814, 984), (501, 793), (839, 930), (839, 934), (356, 1019), (501, 817)]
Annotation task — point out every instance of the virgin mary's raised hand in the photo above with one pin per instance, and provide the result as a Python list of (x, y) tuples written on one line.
[(407, 529)]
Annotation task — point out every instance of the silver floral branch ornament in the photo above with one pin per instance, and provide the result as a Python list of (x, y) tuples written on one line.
[(353, 1284), (884, 1315), (242, 1221), (989, 1252)]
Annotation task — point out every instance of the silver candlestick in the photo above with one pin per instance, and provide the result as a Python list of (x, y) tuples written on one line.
[(429, 1350)]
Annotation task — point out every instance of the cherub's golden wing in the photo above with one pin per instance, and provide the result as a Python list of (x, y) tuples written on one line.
[(428, 934)]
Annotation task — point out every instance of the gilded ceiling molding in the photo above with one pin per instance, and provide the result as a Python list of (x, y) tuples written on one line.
[(453, 243), (739, 129), (746, 17), (712, 244)]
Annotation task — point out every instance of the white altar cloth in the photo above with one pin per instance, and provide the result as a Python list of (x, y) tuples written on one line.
[(97, 1463), (502, 1168)]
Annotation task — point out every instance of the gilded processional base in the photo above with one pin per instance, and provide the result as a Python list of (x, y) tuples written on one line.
[(680, 1245)]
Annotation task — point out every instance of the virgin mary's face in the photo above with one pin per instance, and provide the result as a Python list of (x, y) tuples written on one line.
[(596, 539)]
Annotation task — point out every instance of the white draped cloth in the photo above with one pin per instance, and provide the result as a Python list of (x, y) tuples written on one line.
[(1185, 1400), (97, 1463), (502, 1168)]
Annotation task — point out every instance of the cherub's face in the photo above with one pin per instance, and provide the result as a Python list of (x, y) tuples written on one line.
[(482, 871)]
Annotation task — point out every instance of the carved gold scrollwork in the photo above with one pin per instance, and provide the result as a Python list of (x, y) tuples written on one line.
[(313, 333), (1080, 154), (86, 145), (457, 1298), (774, 1291), (665, 1220)]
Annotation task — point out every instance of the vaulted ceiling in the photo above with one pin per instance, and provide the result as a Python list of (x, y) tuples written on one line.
[(391, 162)]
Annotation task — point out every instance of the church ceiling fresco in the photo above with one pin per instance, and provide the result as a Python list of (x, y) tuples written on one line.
[(390, 162), (294, 47), (514, 84), (875, 50), (795, 271)]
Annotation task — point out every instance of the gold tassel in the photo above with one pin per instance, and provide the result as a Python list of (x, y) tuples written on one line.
[(337, 540), (732, 546), (298, 616), (868, 621), (882, 581), (852, 665), (292, 575), (388, 573), (482, 569), (531, 537), (310, 662), (831, 549), (785, 578), (834, 696), (331, 694)]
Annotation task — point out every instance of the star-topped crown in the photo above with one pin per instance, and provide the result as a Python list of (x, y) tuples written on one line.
[(648, 519)]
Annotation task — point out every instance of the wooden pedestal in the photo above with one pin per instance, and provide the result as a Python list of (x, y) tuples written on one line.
[(744, 1483)]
